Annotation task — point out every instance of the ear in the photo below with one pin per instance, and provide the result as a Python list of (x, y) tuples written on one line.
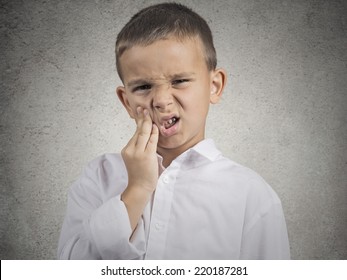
[(122, 95), (218, 82)]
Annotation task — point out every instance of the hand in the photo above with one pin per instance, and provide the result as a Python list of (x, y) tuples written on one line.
[(141, 162), (140, 155)]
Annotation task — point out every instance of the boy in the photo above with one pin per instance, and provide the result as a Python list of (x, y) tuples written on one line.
[(170, 194)]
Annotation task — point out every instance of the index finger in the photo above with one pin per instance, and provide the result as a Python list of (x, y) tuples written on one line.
[(144, 130)]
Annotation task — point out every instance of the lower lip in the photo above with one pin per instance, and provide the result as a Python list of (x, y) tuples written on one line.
[(167, 132)]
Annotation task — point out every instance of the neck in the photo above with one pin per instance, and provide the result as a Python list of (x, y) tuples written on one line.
[(169, 154)]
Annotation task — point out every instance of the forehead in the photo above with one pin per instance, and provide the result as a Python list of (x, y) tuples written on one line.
[(162, 59)]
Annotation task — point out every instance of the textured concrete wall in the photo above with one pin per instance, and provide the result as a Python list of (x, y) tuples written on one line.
[(283, 113)]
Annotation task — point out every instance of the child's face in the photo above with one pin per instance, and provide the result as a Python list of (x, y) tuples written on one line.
[(170, 78)]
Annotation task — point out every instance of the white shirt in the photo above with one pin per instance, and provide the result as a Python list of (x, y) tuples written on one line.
[(205, 207)]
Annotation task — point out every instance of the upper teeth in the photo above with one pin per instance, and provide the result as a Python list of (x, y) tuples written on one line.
[(171, 120)]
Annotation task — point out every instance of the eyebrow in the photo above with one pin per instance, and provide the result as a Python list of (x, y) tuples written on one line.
[(149, 80), (137, 82)]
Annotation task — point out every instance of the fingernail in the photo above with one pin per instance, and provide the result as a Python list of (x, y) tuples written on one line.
[(145, 112), (138, 110)]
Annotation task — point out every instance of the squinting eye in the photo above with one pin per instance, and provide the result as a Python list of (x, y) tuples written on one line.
[(142, 88), (181, 81)]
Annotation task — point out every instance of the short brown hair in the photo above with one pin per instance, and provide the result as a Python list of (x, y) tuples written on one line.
[(161, 21)]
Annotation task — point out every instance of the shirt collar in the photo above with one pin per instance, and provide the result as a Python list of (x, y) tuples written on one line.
[(205, 148)]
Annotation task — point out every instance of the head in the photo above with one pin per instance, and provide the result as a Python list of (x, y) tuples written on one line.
[(161, 21), (167, 62)]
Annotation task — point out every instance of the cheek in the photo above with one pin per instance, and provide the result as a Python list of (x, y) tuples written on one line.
[(200, 101), (139, 102)]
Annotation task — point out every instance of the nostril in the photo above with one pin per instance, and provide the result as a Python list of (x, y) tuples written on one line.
[(162, 105)]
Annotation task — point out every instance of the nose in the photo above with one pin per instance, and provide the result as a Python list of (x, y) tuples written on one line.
[(162, 98)]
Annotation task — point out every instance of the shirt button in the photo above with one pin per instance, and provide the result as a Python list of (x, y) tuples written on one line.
[(157, 226), (166, 180)]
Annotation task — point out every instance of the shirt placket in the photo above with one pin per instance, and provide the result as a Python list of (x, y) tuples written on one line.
[(161, 213)]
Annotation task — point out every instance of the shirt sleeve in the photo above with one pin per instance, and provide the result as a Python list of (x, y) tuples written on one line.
[(95, 227), (265, 236)]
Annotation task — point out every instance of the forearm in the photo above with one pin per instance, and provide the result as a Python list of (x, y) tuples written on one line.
[(135, 200)]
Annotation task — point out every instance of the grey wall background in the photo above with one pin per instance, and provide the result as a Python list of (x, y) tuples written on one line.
[(283, 112)]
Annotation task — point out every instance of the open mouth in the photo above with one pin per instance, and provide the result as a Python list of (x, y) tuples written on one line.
[(171, 122), (169, 126)]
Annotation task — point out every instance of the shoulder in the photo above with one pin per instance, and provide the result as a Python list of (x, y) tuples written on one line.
[(252, 187)]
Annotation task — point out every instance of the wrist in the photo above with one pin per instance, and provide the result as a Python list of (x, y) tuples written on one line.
[(135, 194), (141, 186)]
